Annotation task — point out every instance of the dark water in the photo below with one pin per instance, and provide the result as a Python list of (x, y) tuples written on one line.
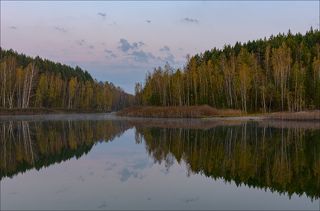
[(102, 163)]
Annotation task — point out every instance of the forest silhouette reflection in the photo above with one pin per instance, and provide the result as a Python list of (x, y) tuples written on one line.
[(269, 155)]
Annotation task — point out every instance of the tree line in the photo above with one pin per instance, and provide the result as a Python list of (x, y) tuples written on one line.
[(275, 74), (27, 82)]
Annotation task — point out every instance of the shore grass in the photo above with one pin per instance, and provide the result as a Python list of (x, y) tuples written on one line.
[(202, 111), (313, 115), (206, 111)]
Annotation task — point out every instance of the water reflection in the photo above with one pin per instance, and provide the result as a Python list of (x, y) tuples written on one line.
[(269, 155), (26, 145), (286, 160)]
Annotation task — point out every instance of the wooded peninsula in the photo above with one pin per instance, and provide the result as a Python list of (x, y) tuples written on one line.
[(281, 73)]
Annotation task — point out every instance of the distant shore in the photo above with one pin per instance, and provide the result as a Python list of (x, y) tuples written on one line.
[(175, 112), (37, 111), (208, 112)]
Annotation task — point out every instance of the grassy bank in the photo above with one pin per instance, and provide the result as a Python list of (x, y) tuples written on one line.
[(295, 116), (33, 111), (205, 111), (177, 112)]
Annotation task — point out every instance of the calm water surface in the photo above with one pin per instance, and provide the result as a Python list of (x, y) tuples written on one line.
[(96, 162)]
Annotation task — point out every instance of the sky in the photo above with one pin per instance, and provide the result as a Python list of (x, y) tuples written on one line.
[(121, 41)]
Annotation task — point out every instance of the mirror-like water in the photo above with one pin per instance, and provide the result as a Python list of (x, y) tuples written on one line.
[(105, 163)]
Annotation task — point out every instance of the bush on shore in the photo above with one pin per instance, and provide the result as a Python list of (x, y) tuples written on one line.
[(177, 112)]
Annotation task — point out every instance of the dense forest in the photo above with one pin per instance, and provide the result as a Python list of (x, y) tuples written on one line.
[(39, 83), (275, 74)]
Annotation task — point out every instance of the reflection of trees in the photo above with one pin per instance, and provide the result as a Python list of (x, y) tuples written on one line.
[(26, 145), (284, 160)]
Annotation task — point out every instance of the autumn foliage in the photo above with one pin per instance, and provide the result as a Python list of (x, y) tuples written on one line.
[(281, 73), (27, 82)]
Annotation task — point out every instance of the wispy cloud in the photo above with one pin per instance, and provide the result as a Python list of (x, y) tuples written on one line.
[(13, 27), (137, 54), (170, 58), (141, 44), (125, 46), (148, 21), (142, 56), (113, 23), (60, 29), (110, 54), (102, 14), (85, 45), (164, 49), (190, 20), (81, 42)]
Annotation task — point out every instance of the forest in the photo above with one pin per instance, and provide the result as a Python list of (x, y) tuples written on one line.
[(39, 83), (281, 73)]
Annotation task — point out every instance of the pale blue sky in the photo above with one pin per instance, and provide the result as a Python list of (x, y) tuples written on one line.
[(121, 41)]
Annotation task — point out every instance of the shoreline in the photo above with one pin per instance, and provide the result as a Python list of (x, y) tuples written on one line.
[(44, 111), (207, 112), (190, 123), (192, 112), (288, 117)]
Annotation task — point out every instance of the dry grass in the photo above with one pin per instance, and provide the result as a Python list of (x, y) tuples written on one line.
[(292, 124), (203, 124), (177, 112), (297, 116), (230, 112)]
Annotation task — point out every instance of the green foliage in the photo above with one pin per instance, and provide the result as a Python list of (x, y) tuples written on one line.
[(45, 66), (34, 82), (279, 73)]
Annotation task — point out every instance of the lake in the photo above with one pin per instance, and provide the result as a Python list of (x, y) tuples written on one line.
[(104, 162)]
